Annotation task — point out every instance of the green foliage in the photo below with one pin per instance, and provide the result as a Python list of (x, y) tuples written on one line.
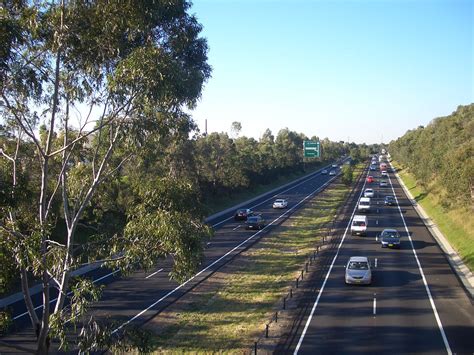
[(442, 153), (136, 66), (226, 166), (347, 174), (165, 220), (5, 322)]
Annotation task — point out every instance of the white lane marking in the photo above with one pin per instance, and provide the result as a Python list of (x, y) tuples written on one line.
[(375, 305), (377, 222), (316, 302), (151, 275), (377, 210), (208, 243), (376, 237), (69, 293), (222, 257), (433, 306), (282, 192), (236, 227), (375, 262)]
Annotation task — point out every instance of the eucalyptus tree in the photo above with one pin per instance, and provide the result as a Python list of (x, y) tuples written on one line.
[(217, 163), (100, 77)]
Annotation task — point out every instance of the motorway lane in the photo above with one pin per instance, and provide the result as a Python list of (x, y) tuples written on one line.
[(394, 315), (231, 238), (124, 298)]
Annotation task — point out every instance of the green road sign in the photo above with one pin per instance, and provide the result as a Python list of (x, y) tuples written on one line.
[(311, 149)]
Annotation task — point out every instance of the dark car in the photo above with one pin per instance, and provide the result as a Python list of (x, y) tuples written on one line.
[(373, 167), (390, 238), (389, 200), (242, 214), (255, 222)]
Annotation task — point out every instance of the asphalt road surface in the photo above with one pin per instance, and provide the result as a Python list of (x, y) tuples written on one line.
[(415, 305), (140, 296)]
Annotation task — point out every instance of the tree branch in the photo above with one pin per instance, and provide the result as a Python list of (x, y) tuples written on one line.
[(25, 129)]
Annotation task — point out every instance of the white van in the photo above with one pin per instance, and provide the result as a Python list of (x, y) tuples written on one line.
[(359, 225), (364, 204)]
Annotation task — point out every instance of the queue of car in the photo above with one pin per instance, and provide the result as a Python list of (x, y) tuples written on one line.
[(257, 221), (358, 269)]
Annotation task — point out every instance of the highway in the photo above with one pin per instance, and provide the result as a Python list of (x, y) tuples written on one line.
[(138, 297), (415, 305)]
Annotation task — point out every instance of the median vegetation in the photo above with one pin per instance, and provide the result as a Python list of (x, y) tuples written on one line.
[(228, 311), (436, 163)]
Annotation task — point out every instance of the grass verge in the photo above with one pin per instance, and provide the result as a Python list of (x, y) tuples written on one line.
[(228, 311), (456, 224)]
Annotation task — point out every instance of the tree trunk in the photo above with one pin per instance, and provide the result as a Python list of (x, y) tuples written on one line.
[(43, 338), (29, 304)]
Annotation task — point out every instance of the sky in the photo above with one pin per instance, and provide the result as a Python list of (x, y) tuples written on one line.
[(363, 71)]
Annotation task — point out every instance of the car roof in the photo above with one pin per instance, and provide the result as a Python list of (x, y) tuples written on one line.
[(359, 258), (359, 217), (279, 199), (390, 230), (365, 199), (369, 189)]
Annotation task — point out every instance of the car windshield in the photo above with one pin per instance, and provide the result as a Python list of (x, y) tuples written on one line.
[(242, 211), (252, 219), (364, 203), (389, 198), (359, 223), (390, 234), (279, 201), (358, 265), (369, 190)]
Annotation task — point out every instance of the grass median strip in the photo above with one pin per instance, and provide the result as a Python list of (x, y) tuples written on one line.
[(228, 311)]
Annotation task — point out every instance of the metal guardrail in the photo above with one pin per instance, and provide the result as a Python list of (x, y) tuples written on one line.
[(312, 257)]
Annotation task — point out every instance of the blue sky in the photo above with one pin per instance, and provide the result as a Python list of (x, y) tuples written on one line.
[(360, 70)]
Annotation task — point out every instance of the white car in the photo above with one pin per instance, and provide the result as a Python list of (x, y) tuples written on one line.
[(358, 271), (280, 203), (383, 183), (335, 165), (359, 225), (384, 173), (332, 172), (364, 204), (369, 193)]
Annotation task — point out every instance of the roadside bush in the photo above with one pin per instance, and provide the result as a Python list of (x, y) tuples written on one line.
[(347, 174)]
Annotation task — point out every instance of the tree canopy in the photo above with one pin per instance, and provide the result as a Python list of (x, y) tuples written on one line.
[(84, 87), (442, 153)]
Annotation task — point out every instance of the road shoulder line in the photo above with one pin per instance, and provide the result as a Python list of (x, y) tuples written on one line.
[(457, 265)]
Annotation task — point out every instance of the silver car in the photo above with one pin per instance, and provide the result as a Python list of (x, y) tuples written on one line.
[(369, 193), (280, 203), (358, 271)]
